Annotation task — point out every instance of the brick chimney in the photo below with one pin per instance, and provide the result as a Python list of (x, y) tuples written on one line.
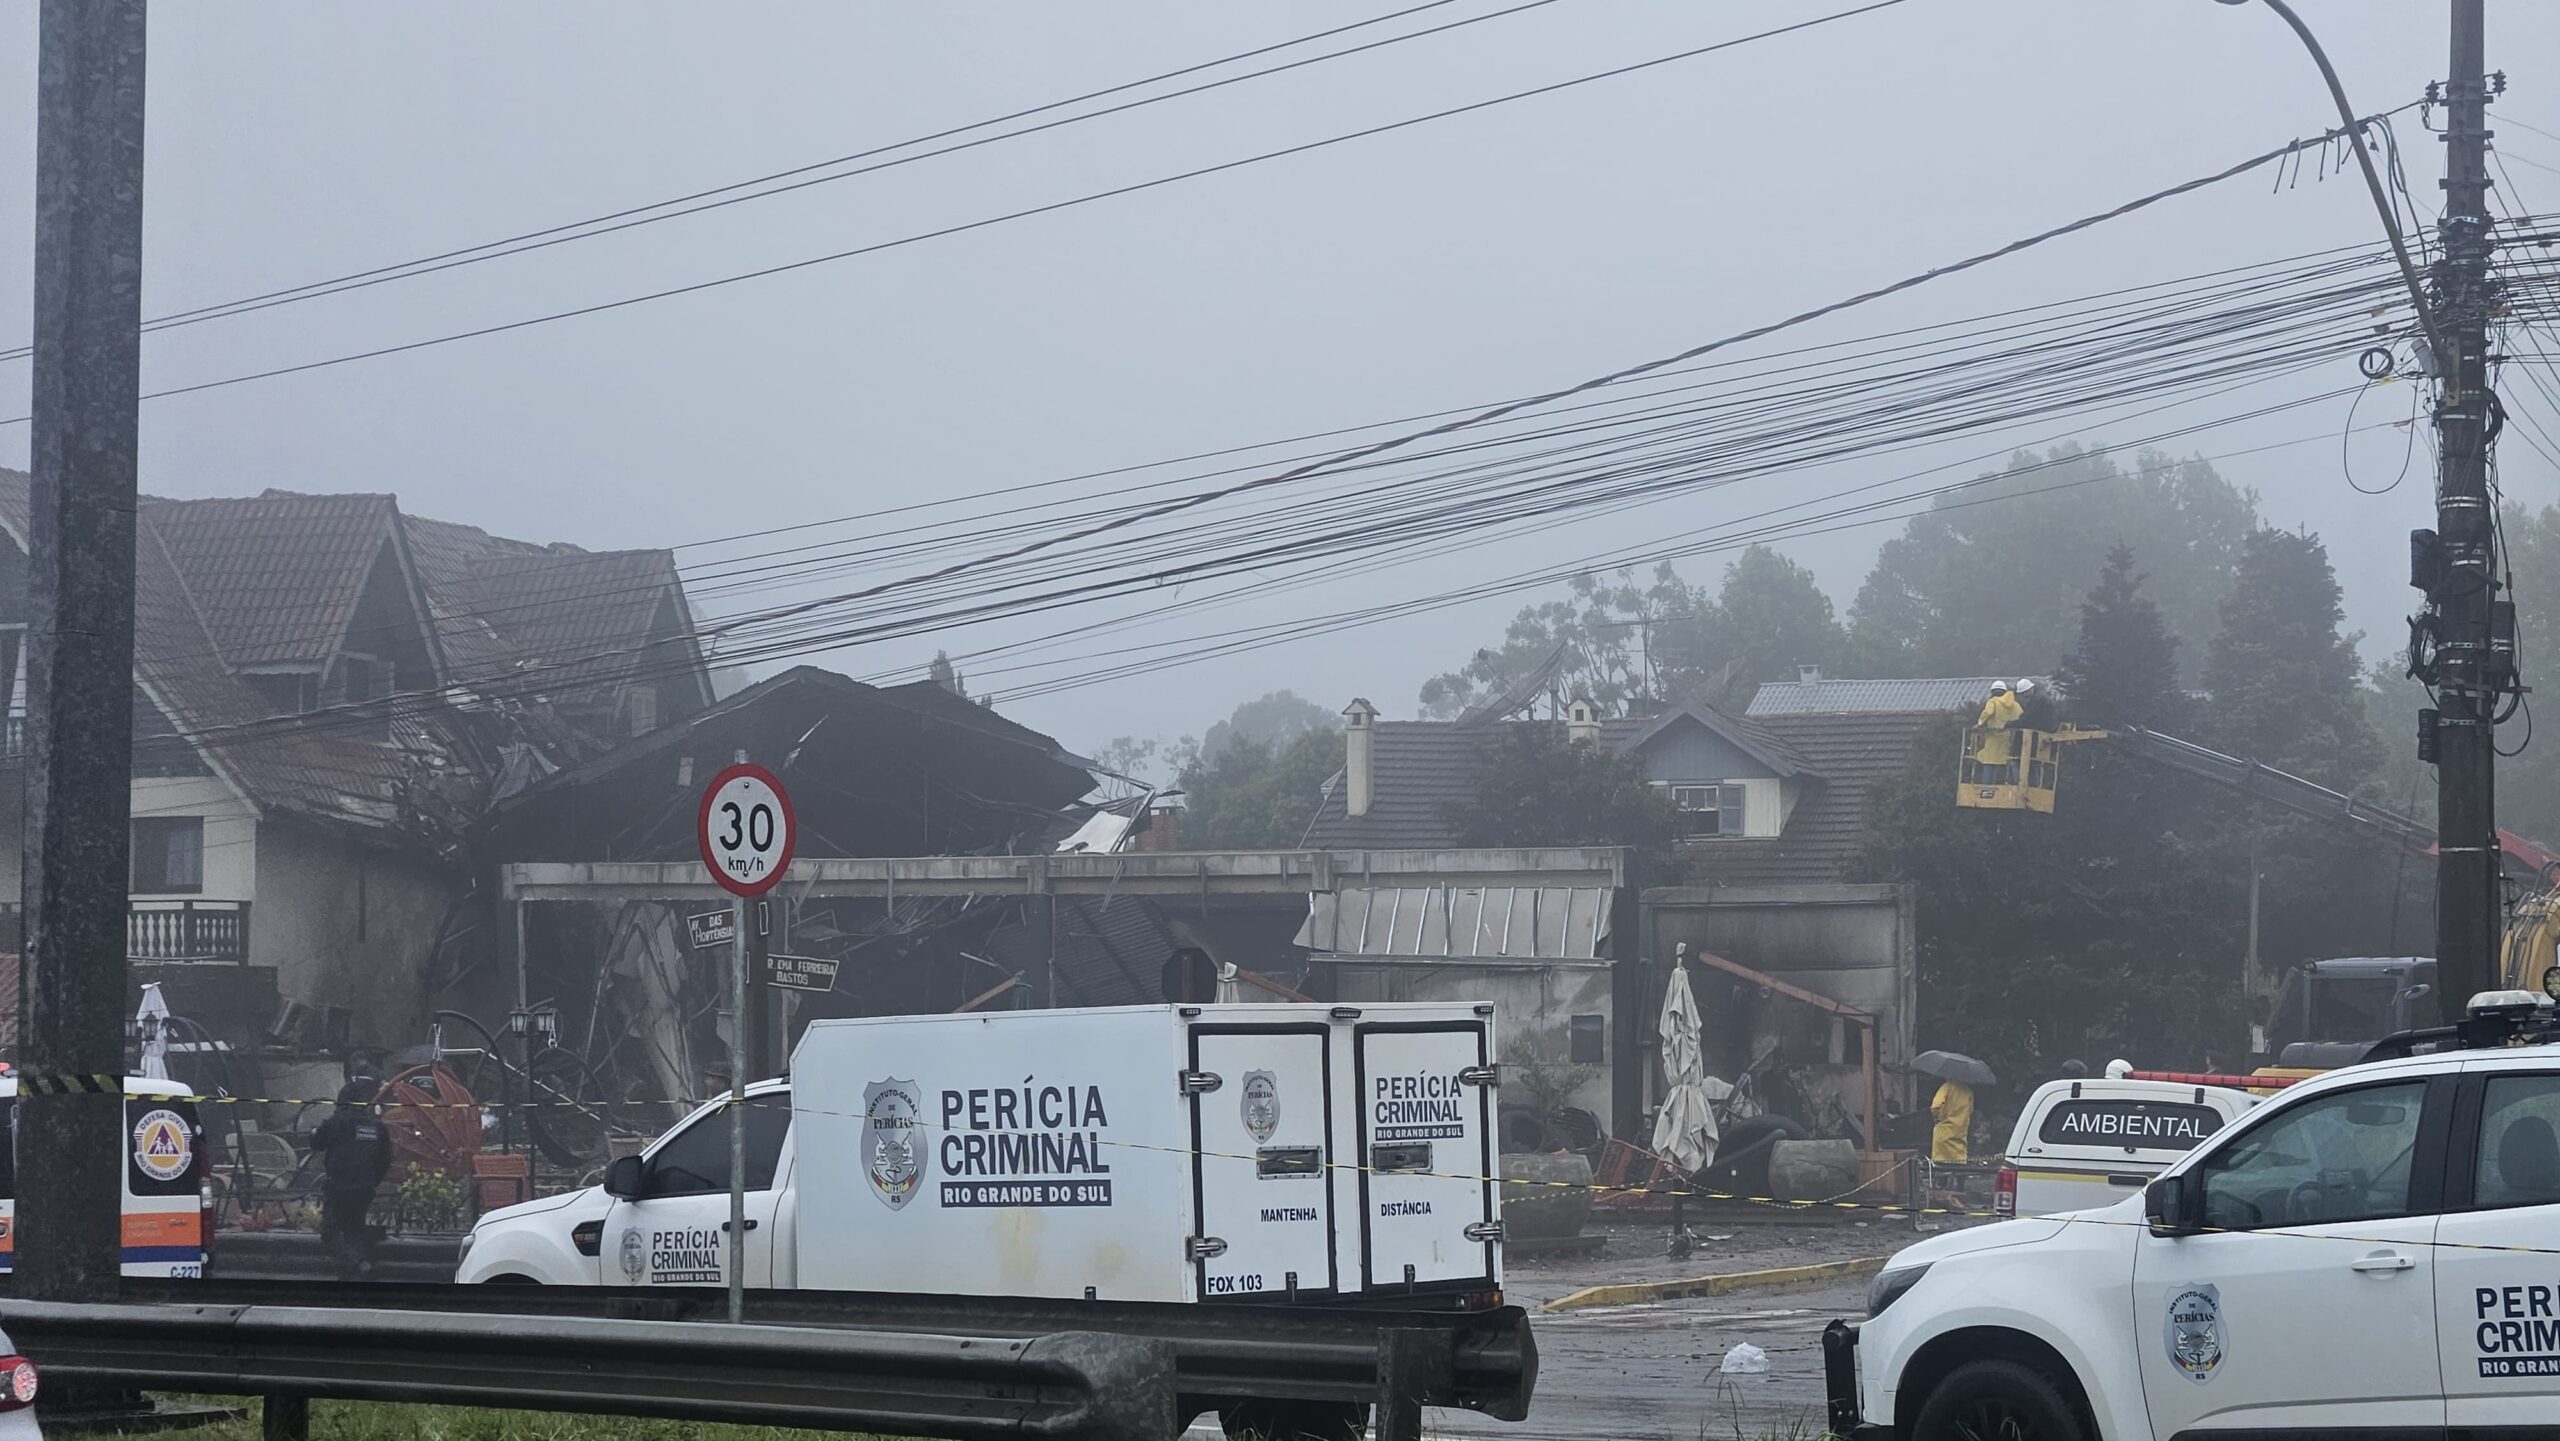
[(1359, 757)]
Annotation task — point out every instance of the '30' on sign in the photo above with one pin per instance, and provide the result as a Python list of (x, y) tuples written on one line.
[(746, 830)]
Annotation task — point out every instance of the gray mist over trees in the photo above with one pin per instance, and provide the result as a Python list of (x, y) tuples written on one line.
[(2153, 593)]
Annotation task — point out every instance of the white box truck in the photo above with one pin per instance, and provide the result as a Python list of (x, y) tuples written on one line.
[(1143, 1153)]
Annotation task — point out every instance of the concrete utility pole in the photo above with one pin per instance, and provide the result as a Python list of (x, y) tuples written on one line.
[(2470, 632), (88, 348), (2463, 643)]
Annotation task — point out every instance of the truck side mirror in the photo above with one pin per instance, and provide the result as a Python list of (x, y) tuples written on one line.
[(624, 1178), (2167, 1204)]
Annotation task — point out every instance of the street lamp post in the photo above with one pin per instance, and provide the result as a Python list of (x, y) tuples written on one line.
[(2462, 643), (2372, 178)]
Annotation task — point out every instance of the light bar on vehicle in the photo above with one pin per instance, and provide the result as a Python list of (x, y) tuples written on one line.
[(2216, 1078)]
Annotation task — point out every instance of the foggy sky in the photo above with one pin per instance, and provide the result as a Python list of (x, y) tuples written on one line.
[(1470, 260)]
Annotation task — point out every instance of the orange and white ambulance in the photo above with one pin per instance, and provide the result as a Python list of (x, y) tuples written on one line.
[(168, 1197)]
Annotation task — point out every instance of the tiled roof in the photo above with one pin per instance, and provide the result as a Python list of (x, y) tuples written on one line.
[(275, 577), (1424, 768), (224, 585), (1854, 753), (1827, 696), (176, 660), (583, 617)]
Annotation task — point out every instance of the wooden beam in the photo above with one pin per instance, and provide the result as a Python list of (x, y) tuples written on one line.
[(1274, 987), (1794, 992), (989, 994)]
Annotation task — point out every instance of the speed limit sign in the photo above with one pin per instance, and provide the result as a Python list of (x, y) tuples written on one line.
[(746, 830)]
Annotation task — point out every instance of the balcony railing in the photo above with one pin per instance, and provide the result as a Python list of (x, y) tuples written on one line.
[(205, 932), (187, 931)]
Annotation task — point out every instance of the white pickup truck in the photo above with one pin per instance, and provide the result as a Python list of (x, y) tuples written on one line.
[(1142, 1153), (2373, 1252)]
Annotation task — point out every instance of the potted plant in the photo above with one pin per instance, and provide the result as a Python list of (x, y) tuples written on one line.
[(1546, 1190), (429, 1199)]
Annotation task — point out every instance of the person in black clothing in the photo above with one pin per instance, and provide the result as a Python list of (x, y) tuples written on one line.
[(356, 1150)]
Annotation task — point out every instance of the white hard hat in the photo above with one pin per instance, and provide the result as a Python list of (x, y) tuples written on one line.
[(2117, 1070), (2023, 686)]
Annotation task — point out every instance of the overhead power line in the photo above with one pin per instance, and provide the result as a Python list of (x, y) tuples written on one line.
[(2109, 361), (965, 227), (726, 195), (1855, 388), (1597, 382)]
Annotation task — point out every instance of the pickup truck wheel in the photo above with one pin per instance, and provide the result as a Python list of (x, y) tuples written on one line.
[(1295, 1421), (1998, 1401)]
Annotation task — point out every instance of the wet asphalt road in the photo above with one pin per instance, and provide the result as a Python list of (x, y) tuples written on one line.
[(1616, 1373), (1651, 1371)]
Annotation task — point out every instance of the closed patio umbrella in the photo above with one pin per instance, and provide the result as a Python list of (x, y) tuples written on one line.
[(1685, 1129)]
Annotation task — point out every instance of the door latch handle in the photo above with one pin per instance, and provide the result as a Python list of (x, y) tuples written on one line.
[(2382, 1261), (751, 1225)]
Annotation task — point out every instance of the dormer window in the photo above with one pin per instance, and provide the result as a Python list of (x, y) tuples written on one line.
[(364, 689), (639, 710), (1708, 810), (294, 692)]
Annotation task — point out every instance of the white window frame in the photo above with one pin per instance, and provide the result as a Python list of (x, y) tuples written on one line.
[(1731, 804)]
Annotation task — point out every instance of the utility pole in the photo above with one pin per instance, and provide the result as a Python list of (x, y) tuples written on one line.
[(88, 348), (2468, 633)]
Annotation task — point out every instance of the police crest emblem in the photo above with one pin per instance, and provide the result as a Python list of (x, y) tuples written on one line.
[(2195, 1334), (892, 1153), (1261, 1105)]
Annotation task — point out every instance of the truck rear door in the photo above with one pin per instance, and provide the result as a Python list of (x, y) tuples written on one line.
[(1427, 1197), (1262, 1188)]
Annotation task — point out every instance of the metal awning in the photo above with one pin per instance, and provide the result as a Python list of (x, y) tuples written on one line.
[(1552, 923)]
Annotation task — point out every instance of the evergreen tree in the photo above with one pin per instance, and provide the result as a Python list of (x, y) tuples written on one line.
[(1276, 720), (2124, 670), (1971, 588), (1539, 788), (1251, 795), (1770, 615), (2286, 688)]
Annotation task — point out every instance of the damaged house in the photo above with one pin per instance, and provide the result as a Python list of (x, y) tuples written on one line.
[(639, 978), (1771, 808), (328, 695)]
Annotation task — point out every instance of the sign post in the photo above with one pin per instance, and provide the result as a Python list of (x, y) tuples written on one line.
[(746, 832)]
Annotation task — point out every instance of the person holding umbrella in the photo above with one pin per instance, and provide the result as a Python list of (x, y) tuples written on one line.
[(1951, 1109)]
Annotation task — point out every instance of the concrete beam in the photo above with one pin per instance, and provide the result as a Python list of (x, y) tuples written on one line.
[(1137, 873)]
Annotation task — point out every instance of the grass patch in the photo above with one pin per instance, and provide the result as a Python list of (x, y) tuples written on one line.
[(395, 1421)]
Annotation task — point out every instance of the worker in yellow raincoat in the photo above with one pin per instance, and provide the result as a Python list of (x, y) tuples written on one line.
[(1951, 1138), (1992, 755)]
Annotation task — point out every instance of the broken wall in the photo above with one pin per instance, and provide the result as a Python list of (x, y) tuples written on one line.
[(1854, 944)]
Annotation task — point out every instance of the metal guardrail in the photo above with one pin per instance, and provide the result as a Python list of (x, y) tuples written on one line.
[(1069, 1386), (1483, 1361)]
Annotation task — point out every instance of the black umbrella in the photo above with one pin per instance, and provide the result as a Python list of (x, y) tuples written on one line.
[(1953, 1066)]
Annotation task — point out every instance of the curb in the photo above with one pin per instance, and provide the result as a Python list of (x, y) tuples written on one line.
[(1632, 1292)]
